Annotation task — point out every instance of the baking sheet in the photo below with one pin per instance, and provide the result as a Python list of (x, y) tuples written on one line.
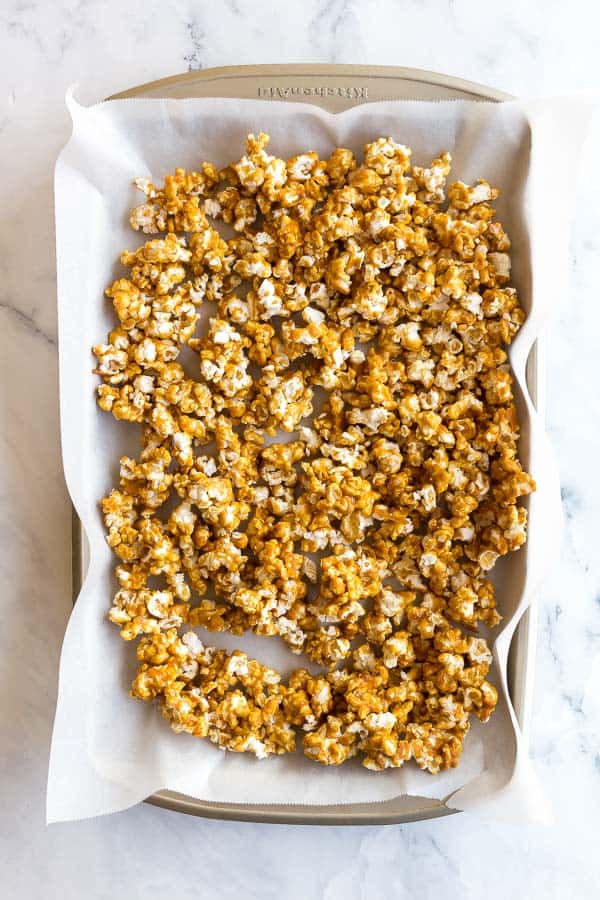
[(119, 751)]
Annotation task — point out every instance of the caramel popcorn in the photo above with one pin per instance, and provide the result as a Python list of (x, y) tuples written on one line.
[(333, 460)]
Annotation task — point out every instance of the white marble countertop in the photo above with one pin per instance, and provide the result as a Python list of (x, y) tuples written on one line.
[(534, 48)]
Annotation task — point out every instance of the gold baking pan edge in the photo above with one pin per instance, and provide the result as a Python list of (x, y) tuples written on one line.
[(336, 87)]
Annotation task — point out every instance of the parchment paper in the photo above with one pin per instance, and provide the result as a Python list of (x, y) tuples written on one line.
[(109, 751)]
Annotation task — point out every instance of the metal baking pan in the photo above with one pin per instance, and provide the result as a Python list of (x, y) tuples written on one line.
[(335, 88)]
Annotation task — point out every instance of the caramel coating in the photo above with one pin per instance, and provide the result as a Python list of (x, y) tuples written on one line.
[(339, 466)]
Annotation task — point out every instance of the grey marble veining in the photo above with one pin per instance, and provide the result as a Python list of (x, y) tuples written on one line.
[(534, 48)]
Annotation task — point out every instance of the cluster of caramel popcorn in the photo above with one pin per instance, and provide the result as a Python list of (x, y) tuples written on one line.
[(333, 460)]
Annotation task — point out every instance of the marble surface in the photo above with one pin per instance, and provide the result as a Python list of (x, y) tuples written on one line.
[(534, 48)]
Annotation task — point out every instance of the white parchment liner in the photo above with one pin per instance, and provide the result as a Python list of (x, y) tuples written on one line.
[(109, 751)]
